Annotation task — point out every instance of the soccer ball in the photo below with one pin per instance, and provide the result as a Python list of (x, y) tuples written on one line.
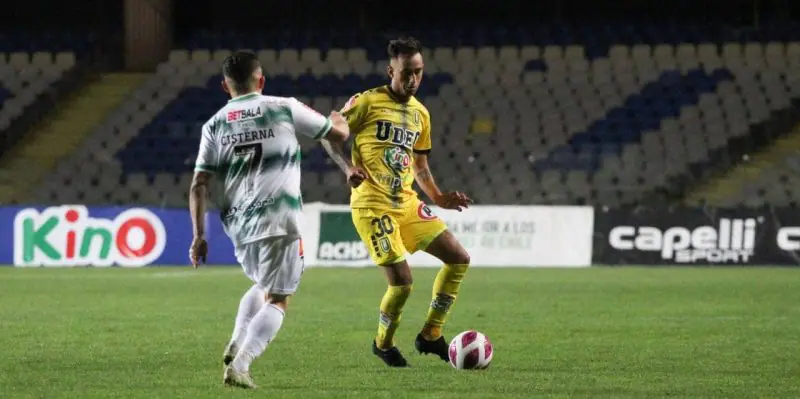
[(470, 350)]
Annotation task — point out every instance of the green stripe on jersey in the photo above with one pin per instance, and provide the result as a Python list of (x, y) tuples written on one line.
[(273, 116), (281, 160), (268, 162), (202, 167), (325, 129)]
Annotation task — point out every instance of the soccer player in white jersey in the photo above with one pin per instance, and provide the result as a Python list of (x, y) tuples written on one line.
[(250, 145)]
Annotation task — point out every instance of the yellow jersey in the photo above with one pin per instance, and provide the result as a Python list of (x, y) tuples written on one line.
[(386, 131)]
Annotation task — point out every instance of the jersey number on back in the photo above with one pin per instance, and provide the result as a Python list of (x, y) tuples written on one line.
[(250, 157)]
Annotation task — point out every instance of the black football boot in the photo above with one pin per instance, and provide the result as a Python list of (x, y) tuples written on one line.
[(440, 347), (392, 357)]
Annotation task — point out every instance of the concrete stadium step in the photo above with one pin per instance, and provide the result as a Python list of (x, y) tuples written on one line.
[(62, 132), (715, 191)]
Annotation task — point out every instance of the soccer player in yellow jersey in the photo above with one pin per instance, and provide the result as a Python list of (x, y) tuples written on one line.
[(392, 141)]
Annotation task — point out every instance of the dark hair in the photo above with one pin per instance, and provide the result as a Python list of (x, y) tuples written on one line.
[(406, 46), (239, 68)]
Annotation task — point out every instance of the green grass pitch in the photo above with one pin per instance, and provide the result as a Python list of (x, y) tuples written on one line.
[(599, 332)]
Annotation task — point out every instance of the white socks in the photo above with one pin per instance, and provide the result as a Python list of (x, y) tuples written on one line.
[(257, 323), (262, 329), (252, 301)]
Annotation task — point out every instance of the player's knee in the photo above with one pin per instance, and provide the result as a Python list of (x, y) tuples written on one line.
[(460, 257), (402, 280), (447, 248), (279, 300), (398, 274)]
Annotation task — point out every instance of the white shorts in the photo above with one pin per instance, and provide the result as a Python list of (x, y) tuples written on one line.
[(274, 263)]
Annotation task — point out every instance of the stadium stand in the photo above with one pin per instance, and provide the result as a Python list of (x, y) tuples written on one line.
[(23, 78), (37, 70), (607, 115), (31, 63), (78, 43), (778, 183), (764, 178)]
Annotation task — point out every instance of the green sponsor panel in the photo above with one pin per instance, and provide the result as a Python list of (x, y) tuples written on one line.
[(338, 239)]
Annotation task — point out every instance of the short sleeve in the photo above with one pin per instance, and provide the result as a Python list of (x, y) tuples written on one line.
[(354, 111), (423, 144), (207, 156), (308, 122)]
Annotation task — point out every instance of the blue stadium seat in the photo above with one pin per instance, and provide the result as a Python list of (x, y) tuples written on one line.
[(641, 112)]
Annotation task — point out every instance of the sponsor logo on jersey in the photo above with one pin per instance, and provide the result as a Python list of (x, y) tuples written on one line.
[(68, 236), (243, 114), (397, 158), (425, 213), (732, 241), (338, 239), (252, 208), (386, 131), (391, 181)]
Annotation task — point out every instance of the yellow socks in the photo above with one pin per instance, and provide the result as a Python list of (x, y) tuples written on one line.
[(445, 291), (391, 309)]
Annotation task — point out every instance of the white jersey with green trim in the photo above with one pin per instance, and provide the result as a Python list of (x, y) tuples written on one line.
[(251, 146)]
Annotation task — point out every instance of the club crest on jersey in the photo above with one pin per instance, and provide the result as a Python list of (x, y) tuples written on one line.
[(416, 117), (349, 103), (243, 114), (396, 158), (425, 213)]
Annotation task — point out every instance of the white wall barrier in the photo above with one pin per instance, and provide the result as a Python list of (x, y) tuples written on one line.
[(494, 236)]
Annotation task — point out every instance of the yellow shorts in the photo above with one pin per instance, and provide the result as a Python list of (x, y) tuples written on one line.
[(389, 233)]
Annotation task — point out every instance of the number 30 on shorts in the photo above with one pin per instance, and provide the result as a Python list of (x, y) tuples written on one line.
[(381, 228)]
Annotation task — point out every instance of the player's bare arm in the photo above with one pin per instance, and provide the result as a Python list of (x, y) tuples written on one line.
[(355, 175), (333, 144), (340, 130), (423, 176), (197, 208)]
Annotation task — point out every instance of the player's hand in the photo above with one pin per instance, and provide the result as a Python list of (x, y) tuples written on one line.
[(356, 176), (453, 200), (198, 251), (336, 117)]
